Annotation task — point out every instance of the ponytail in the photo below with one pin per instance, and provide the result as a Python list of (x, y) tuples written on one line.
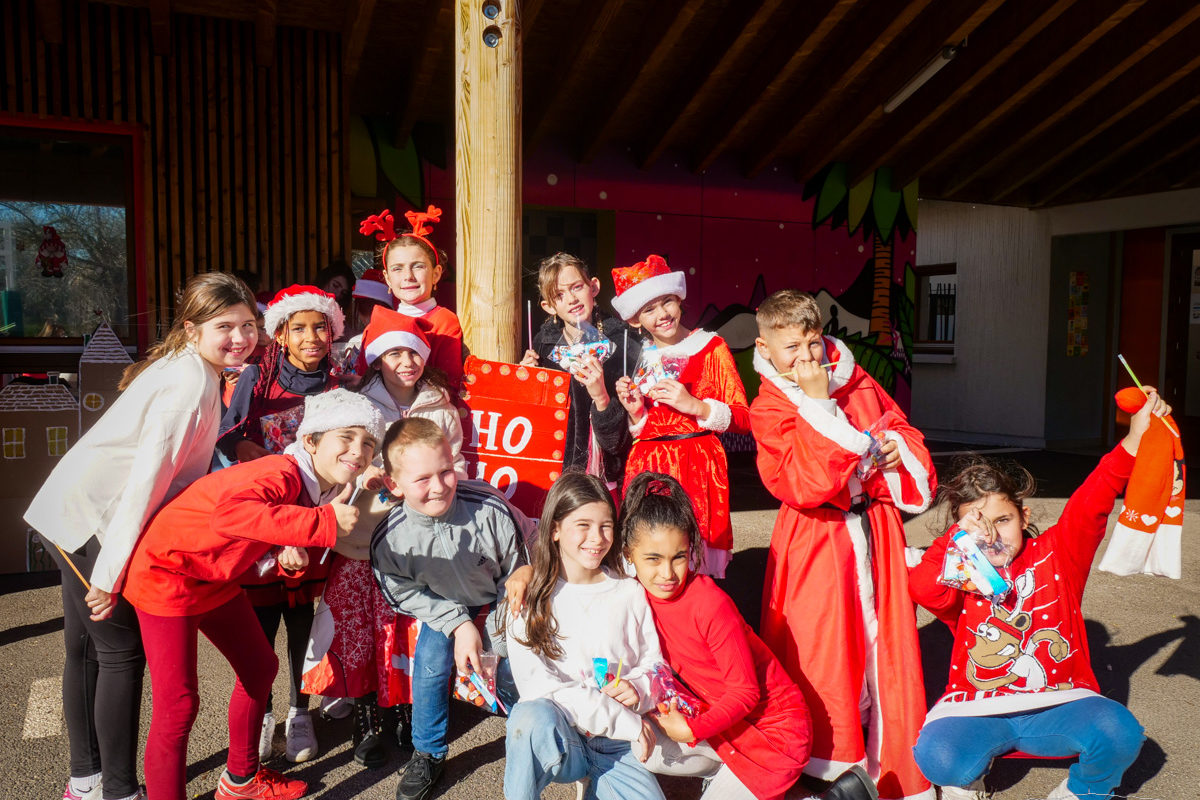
[(655, 500)]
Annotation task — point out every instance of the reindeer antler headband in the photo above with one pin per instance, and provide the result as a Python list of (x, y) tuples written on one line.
[(383, 225)]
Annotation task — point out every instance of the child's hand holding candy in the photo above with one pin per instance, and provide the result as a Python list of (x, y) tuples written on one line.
[(631, 397), (530, 359), (590, 372), (891, 454), (623, 692), (674, 723), (671, 392)]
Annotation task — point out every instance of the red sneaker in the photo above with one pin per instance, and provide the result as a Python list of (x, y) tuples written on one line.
[(267, 784)]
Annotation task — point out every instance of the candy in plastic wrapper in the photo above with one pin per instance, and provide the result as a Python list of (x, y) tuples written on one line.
[(873, 459), (279, 429), (966, 566), (592, 343), (600, 672), (656, 366), (664, 687)]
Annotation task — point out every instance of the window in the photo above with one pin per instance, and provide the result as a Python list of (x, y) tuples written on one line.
[(937, 295), (14, 443), (56, 441), (93, 401)]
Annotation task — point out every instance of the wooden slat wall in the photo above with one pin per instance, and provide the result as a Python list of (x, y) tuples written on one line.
[(243, 164)]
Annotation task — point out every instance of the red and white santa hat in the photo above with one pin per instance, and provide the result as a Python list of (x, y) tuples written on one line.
[(372, 286), (300, 297), (389, 329), (644, 282)]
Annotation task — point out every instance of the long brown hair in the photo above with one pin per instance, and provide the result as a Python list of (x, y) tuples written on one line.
[(975, 477), (207, 295), (571, 491)]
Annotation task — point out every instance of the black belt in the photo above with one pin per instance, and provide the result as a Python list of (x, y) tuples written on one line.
[(858, 505), (675, 437)]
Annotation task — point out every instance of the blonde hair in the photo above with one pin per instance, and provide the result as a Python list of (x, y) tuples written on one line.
[(550, 267), (205, 296), (405, 433), (789, 308)]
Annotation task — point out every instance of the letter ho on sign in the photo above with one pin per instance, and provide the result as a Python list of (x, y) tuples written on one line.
[(514, 428)]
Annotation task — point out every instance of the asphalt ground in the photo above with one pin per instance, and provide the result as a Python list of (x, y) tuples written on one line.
[(1144, 634)]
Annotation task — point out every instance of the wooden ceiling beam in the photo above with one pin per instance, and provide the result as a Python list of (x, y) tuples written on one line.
[(995, 44), (160, 27), (437, 22), (769, 84), (1143, 97), (847, 66), (1133, 139), (1134, 49), (649, 57), (738, 43), (592, 32), (266, 20), (1167, 163), (354, 35), (818, 145)]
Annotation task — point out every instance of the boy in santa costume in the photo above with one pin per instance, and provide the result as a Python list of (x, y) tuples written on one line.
[(842, 458)]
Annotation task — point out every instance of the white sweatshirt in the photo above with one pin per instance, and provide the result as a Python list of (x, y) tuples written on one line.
[(154, 440), (609, 620)]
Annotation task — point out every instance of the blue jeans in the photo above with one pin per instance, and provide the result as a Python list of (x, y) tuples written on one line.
[(542, 748), (953, 751), (433, 661)]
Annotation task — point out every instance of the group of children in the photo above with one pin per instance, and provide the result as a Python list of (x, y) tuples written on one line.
[(603, 634)]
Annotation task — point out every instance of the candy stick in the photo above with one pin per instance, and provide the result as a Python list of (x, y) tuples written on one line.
[(1138, 384), (353, 497), (529, 320), (792, 373), (625, 354), (74, 568), (620, 664)]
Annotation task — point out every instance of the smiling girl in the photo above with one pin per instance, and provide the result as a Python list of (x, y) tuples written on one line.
[(156, 439), (263, 415), (677, 421)]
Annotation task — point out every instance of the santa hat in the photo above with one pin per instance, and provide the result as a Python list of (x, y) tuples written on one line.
[(340, 408), (372, 286), (1147, 536), (300, 297), (389, 329), (644, 282)]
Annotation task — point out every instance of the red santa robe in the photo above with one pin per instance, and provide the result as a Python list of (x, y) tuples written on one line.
[(836, 609), (441, 327), (698, 460)]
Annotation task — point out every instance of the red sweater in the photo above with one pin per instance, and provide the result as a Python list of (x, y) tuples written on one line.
[(1031, 651), (198, 546), (757, 719)]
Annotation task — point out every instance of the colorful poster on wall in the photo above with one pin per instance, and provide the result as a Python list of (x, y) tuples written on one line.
[(1077, 314), (514, 427)]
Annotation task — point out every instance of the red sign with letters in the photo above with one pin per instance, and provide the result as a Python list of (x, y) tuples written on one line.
[(514, 428)]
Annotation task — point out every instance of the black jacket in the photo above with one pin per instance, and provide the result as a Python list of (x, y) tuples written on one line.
[(612, 424)]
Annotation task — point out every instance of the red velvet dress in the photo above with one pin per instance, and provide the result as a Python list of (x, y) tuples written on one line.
[(697, 462)]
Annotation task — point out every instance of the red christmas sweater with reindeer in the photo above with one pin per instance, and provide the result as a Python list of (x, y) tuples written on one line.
[(1029, 651)]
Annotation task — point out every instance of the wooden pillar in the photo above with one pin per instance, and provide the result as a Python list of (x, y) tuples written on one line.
[(487, 150)]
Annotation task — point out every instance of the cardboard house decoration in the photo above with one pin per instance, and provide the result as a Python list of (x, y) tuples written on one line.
[(38, 423), (100, 368)]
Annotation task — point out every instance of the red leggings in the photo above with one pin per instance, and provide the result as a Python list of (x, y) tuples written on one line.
[(170, 644)]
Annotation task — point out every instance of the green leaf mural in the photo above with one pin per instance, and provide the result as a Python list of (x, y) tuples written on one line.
[(885, 204)]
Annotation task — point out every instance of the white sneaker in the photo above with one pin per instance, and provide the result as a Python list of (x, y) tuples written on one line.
[(266, 739), (975, 791), (1061, 792), (301, 740), (95, 793)]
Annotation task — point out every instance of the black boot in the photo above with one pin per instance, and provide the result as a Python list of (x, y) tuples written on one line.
[(368, 741), (853, 784), (404, 726)]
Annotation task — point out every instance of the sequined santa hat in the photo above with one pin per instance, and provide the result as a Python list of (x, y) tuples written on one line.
[(300, 297), (644, 282), (372, 286), (340, 408), (389, 329)]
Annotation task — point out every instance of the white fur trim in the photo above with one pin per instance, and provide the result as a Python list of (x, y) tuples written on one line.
[(719, 416), (635, 428), (372, 290), (915, 468), (1133, 552), (417, 309), (692, 344), (280, 312), (391, 339), (340, 408), (841, 373), (631, 301), (833, 426), (1166, 558)]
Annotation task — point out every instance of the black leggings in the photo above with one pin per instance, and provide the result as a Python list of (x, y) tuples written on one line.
[(298, 623), (102, 682)]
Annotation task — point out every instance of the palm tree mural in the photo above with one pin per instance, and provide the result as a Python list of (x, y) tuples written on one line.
[(879, 212)]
